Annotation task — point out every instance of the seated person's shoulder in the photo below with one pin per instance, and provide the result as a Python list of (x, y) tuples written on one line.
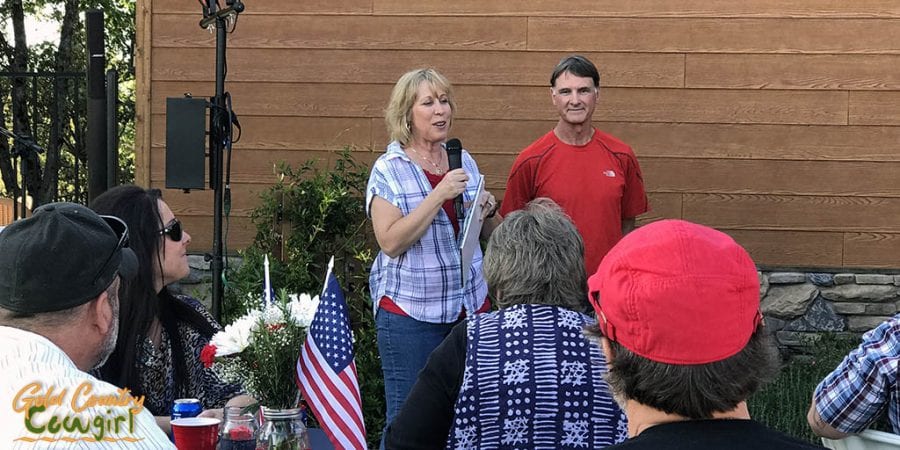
[(89, 406), (191, 302), (893, 323)]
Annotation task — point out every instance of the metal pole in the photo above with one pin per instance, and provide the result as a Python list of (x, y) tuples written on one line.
[(19, 194), (55, 132), (112, 129), (76, 119), (216, 152), (26, 153), (23, 165), (16, 191)]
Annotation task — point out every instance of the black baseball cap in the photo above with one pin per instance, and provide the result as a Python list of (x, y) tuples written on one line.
[(61, 257)]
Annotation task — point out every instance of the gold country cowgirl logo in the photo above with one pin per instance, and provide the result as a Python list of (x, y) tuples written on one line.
[(52, 414)]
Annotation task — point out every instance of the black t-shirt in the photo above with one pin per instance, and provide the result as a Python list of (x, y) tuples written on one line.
[(730, 434)]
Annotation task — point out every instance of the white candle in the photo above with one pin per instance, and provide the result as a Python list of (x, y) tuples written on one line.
[(268, 294)]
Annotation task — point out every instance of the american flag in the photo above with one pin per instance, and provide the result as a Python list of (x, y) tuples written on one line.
[(326, 371)]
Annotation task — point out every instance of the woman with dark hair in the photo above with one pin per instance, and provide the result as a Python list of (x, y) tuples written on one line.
[(160, 334)]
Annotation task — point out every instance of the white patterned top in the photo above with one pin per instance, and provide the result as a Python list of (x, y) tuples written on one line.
[(46, 402)]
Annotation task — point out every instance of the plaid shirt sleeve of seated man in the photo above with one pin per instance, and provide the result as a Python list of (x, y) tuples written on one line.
[(851, 397)]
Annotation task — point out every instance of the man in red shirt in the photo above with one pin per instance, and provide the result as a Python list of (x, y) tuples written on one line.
[(592, 175)]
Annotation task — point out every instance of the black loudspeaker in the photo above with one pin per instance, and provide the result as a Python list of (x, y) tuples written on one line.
[(95, 137), (185, 142), (96, 70)]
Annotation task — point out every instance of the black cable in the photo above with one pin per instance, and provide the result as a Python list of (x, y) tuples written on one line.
[(228, 130)]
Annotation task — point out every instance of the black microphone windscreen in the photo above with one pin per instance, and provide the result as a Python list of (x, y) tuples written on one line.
[(454, 153)]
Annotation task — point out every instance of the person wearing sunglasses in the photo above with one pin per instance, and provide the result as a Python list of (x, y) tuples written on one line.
[(60, 272), (161, 333)]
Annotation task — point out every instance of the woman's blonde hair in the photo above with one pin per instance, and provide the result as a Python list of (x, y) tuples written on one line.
[(398, 115)]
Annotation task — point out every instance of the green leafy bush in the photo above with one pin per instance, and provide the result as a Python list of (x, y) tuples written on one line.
[(301, 221)]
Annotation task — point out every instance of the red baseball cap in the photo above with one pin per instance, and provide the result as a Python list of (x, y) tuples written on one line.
[(677, 293)]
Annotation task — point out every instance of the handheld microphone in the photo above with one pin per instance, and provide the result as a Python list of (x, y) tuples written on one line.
[(454, 161)]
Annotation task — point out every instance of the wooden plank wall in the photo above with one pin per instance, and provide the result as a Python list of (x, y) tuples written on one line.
[(777, 121)]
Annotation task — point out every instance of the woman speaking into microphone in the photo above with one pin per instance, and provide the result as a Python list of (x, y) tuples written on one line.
[(415, 279)]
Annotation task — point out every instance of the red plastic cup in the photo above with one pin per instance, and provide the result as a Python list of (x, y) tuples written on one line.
[(196, 433)]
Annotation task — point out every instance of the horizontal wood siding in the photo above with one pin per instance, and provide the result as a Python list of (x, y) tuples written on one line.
[(776, 121), (735, 35)]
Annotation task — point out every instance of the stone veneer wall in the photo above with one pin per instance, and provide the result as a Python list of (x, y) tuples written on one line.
[(796, 305), (799, 305), (199, 283)]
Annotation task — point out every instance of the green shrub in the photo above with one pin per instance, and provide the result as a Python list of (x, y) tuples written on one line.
[(301, 221), (783, 404)]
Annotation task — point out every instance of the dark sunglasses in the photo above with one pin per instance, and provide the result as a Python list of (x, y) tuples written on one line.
[(121, 229), (173, 230)]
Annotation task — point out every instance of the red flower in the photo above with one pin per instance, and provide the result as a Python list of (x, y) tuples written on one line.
[(208, 355), (275, 327)]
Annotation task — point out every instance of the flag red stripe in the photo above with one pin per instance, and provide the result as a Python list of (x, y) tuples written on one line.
[(337, 431), (350, 380), (315, 373), (327, 375), (341, 433), (322, 408)]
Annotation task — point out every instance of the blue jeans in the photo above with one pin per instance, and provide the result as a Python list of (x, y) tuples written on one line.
[(404, 344)]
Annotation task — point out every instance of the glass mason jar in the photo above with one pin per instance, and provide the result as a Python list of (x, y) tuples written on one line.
[(283, 429), (239, 430)]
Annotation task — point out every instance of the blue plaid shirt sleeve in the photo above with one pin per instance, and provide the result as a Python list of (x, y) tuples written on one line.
[(380, 186), (851, 397)]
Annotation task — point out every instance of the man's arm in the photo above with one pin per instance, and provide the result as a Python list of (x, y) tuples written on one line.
[(819, 426), (850, 398), (634, 197), (164, 424)]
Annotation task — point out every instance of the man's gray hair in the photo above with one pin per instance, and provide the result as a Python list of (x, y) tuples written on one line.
[(536, 256)]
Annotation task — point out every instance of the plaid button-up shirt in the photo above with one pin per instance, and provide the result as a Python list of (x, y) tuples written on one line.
[(851, 397), (424, 281)]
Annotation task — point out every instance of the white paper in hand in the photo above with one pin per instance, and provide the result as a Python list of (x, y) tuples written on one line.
[(471, 231)]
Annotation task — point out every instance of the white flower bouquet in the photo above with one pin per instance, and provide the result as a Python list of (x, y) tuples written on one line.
[(259, 350)]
